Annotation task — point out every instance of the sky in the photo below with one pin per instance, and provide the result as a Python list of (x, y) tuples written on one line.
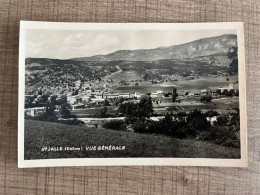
[(65, 44)]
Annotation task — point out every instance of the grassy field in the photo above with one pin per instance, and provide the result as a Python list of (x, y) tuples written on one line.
[(39, 134), (182, 85), (88, 112), (123, 75), (222, 105)]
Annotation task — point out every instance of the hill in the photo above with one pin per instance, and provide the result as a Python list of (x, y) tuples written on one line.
[(39, 134), (203, 57), (202, 47)]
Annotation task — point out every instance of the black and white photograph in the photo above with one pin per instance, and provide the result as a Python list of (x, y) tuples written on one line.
[(131, 94)]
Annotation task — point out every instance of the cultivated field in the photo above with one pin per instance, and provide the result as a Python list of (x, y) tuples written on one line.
[(222, 105), (182, 85)]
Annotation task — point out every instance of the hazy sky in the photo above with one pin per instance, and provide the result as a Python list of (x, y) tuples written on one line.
[(65, 44)]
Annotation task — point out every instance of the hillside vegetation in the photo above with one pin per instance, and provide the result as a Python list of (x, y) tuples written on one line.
[(40, 134)]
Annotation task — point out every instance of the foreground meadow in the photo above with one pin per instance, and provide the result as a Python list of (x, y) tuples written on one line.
[(40, 134)]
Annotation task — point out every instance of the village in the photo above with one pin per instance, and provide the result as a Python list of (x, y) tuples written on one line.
[(87, 98), (140, 99)]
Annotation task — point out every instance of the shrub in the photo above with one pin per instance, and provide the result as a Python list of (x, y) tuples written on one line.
[(115, 125), (206, 98), (197, 121), (72, 122), (153, 127), (181, 131), (102, 113), (224, 135), (166, 124), (222, 120), (140, 126), (211, 113)]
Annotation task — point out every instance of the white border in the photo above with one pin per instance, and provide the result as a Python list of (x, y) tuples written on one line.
[(238, 26)]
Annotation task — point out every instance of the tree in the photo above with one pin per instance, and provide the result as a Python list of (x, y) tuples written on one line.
[(119, 100), (49, 114), (218, 91), (29, 103), (64, 99), (222, 120), (53, 99), (137, 112), (211, 113), (106, 103), (44, 98), (235, 120), (174, 94), (166, 125), (197, 122), (180, 116), (50, 108), (231, 92), (225, 92), (145, 77), (145, 106), (206, 98), (75, 92), (64, 110), (130, 111), (232, 55), (103, 112), (61, 100), (39, 91)]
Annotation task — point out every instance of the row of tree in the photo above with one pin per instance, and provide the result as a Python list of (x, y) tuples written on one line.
[(229, 93), (194, 125)]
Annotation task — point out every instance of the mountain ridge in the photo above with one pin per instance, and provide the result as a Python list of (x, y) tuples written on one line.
[(201, 47)]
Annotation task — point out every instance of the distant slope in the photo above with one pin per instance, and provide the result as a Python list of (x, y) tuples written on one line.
[(40, 134), (202, 47), (204, 56)]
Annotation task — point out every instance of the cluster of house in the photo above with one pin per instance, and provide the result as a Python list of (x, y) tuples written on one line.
[(97, 97), (34, 111), (89, 97), (222, 89), (230, 87)]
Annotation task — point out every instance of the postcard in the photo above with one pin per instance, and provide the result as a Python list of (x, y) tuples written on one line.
[(112, 94)]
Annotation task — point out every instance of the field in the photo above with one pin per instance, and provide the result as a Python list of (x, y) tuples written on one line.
[(182, 85), (39, 134), (221, 105), (89, 112), (124, 75)]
